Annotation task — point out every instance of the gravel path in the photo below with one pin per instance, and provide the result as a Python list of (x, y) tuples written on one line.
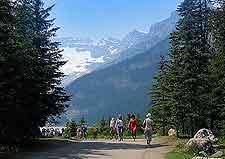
[(100, 149)]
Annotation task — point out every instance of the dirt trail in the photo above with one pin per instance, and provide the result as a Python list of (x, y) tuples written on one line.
[(100, 149)]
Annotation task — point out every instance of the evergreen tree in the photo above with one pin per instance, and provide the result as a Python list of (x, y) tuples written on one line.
[(193, 60), (103, 127), (12, 112), (160, 110), (217, 94), (42, 60), (50, 96), (28, 92), (190, 58), (70, 130), (82, 121), (30, 62)]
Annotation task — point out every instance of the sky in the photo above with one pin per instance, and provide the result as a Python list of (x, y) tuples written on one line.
[(98, 19)]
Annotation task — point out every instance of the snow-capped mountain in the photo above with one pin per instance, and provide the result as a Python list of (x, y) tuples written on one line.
[(86, 55), (125, 67)]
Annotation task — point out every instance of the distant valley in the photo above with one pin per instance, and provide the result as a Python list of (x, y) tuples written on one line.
[(113, 76)]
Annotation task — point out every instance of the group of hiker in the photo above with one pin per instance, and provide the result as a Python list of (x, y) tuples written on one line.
[(117, 127), (82, 131), (51, 131), (78, 132)]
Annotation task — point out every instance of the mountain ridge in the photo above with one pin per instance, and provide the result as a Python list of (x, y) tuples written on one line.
[(110, 51), (116, 89)]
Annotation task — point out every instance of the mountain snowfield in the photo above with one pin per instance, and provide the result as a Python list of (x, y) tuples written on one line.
[(83, 56), (80, 54), (78, 63)]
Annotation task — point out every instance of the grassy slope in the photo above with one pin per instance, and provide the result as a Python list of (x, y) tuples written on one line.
[(178, 152), (178, 155)]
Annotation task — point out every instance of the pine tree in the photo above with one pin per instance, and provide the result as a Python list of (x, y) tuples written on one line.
[(70, 130), (14, 95), (175, 85), (73, 128), (161, 110), (51, 96), (103, 127), (11, 71), (190, 58), (28, 93), (217, 95), (7, 47), (82, 121), (30, 62), (42, 60)]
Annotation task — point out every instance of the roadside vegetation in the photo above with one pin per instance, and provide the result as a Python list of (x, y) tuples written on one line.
[(101, 130), (188, 91), (30, 76), (179, 151)]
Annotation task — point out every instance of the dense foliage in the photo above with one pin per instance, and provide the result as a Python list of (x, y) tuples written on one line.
[(161, 108), (188, 92), (30, 76), (70, 130)]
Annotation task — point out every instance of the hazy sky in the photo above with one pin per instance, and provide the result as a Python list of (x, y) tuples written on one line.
[(108, 18)]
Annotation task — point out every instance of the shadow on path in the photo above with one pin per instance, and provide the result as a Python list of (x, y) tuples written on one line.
[(56, 149)]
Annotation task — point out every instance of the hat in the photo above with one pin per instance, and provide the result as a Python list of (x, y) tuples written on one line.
[(148, 115)]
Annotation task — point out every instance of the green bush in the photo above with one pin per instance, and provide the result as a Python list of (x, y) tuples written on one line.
[(70, 130), (103, 127), (92, 132), (180, 152)]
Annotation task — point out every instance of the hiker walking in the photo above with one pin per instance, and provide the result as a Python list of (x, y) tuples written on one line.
[(133, 126), (113, 128), (79, 133), (84, 129), (148, 128), (119, 127)]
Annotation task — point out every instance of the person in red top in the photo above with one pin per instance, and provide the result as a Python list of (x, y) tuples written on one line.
[(133, 126)]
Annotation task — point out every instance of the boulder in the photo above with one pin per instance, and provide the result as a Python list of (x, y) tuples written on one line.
[(205, 134), (203, 141), (218, 154), (172, 132)]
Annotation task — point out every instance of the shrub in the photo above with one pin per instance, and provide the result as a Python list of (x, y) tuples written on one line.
[(70, 130)]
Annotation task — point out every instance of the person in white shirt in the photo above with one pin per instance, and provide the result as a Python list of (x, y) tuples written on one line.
[(119, 127), (148, 128), (113, 128)]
